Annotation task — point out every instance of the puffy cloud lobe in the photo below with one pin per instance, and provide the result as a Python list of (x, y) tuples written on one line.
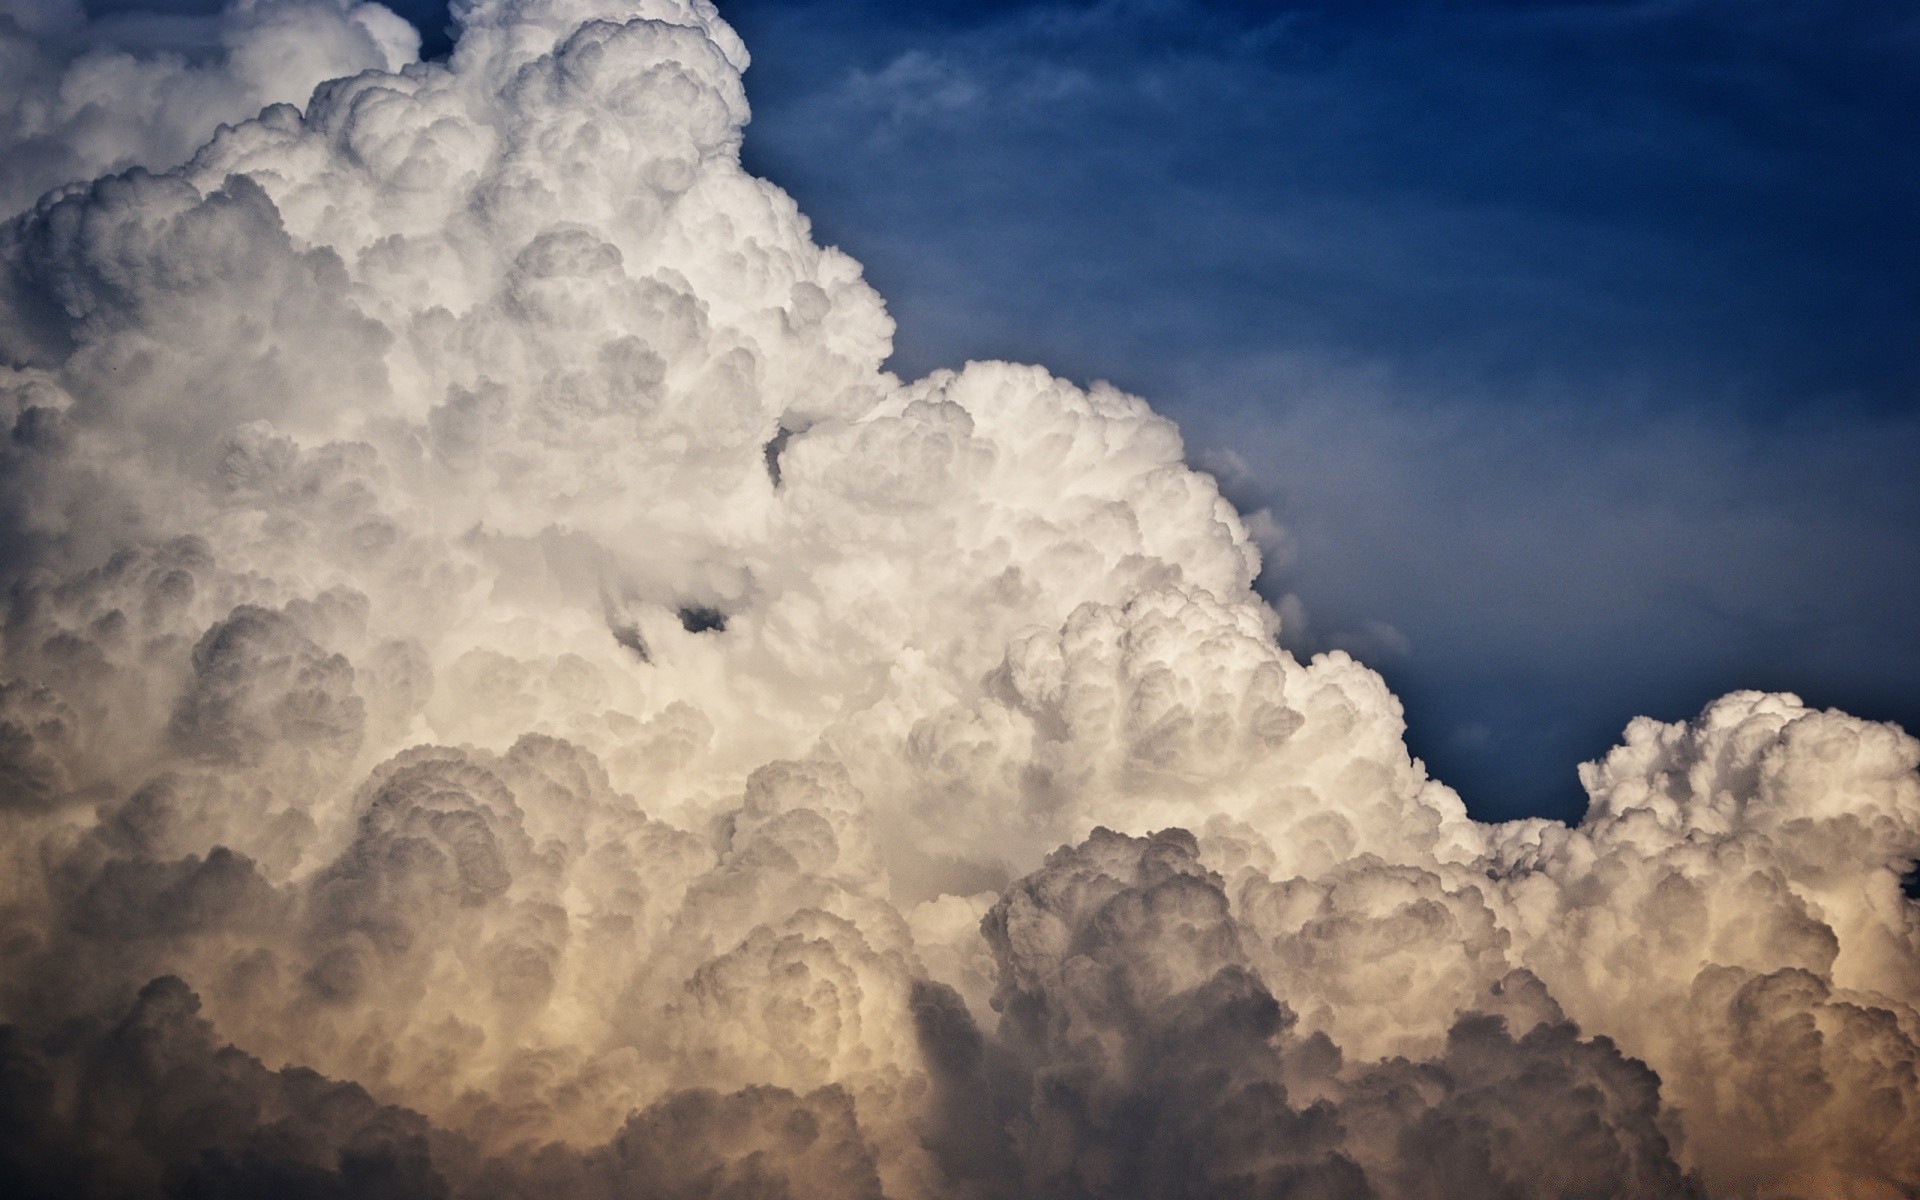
[(1748, 857), (700, 1144), (502, 695), (80, 98), (35, 738), (260, 684), (155, 1104), (1139, 1054), (1378, 956)]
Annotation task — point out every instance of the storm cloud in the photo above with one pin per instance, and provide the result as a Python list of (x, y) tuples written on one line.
[(505, 697)]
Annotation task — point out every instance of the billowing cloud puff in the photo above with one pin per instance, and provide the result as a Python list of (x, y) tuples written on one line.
[(80, 97), (503, 695)]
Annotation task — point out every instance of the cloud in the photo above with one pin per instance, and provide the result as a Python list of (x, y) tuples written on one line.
[(82, 97), (505, 696)]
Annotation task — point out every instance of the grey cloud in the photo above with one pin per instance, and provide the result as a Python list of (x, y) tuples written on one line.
[(1139, 1054)]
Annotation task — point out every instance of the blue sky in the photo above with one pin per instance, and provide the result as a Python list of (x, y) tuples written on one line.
[(1574, 347)]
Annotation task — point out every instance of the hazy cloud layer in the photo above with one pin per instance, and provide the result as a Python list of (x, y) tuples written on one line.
[(504, 696)]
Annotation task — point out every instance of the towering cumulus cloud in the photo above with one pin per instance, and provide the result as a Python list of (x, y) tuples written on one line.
[(504, 697)]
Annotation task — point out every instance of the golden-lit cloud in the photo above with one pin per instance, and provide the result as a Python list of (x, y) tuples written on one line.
[(506, 697)]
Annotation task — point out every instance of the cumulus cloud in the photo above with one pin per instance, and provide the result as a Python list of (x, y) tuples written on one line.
[(504, 696), (79, 97)]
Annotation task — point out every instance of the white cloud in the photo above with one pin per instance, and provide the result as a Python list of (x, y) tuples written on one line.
[(79, 99), (363, 474)]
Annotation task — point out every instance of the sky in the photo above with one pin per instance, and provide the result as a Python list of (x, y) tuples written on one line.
[(1572, 346), (1569, 350)]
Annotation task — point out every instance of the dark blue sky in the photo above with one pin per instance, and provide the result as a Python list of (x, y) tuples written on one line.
[(1576, 346)]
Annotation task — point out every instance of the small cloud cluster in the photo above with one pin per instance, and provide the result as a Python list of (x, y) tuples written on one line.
[(501, 696)]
